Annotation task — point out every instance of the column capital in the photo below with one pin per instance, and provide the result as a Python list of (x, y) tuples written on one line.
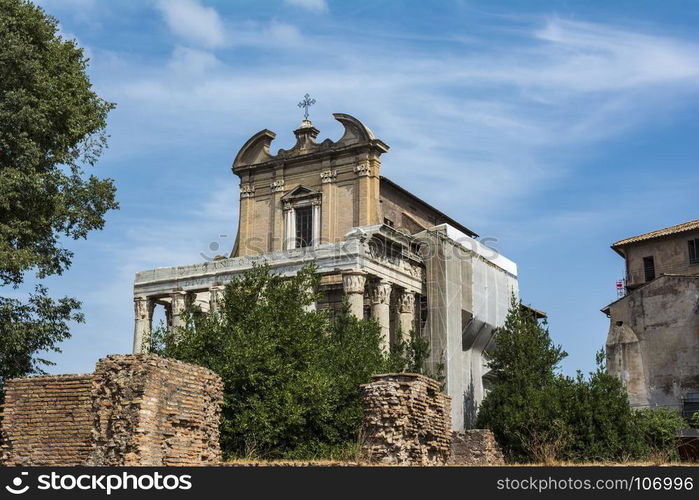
[(353, 282), (143, 306), (247, 190), (380, 292), (328, 176), (363, 169), (179, 299), (406, 302), (277, 186)]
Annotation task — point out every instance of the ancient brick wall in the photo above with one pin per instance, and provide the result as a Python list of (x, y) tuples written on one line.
[(475, 447), (133, 410), (155, 411), (47, 420), (406, 420)]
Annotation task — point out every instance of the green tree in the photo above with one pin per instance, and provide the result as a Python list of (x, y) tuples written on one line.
[(538, 415), (523, 409), (291, 376), (599, 419), (52, 125)]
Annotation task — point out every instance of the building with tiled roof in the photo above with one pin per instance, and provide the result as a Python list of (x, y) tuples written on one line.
[(653, 340)]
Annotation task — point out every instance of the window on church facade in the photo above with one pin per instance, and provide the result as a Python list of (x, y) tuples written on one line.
[(304, 227)]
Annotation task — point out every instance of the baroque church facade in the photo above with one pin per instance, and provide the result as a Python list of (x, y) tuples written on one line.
[(393, 256)]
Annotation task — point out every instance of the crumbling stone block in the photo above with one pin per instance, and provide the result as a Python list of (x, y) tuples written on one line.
[(406, 420), (475, 447)]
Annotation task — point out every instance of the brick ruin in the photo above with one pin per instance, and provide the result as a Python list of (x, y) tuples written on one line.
[(144, 410), (475, 447), (406, 420), (133, 410)]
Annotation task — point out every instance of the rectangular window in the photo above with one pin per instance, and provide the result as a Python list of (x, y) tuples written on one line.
[(693, 251), (388, 222), (304, 227), (649, 268)]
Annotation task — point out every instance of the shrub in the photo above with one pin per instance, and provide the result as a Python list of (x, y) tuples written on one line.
[(538, 415), (291, 376)]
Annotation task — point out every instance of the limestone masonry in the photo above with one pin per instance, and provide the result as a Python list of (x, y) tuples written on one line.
[(133, 410), (406, 420)]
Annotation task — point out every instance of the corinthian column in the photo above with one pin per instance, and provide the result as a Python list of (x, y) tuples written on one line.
[(353, 285), (177, 306), (215, 293), (406, 305), (381, 310), (143, 308)]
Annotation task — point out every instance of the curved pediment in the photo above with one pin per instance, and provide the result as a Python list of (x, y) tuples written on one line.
[(355, 131), (257, 149)]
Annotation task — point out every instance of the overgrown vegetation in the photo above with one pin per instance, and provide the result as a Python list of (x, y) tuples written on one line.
[(539, 415), (291, 376)]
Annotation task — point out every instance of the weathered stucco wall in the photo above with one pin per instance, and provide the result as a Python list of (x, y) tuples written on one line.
[(406, 420), (670, 255), (47, 421), (134, 410), (653, 341)]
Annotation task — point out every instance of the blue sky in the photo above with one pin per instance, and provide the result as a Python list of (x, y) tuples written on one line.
[(555, 127)]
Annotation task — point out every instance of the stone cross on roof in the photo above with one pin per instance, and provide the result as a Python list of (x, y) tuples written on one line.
[(306, 103)]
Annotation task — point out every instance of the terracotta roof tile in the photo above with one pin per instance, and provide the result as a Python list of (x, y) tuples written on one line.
[(679, 228)]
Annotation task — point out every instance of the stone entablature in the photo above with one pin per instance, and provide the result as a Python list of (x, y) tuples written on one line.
[(354, 254), (358, 262)]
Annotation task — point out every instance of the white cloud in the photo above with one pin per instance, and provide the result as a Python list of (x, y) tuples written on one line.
[(193, 22), (507, 110), (192, 61), (314, 5), (283, 33)]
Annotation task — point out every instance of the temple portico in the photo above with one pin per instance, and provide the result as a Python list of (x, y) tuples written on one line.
[(338, 264)]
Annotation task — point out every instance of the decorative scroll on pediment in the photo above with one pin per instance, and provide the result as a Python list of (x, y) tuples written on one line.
[(257, 149)]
